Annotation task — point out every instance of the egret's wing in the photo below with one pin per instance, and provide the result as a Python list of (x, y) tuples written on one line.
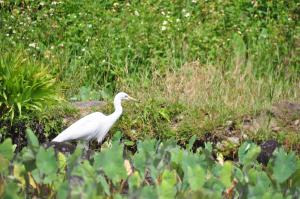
[(85, 128)]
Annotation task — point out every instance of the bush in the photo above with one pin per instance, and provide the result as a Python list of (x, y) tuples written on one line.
[(24, 85)]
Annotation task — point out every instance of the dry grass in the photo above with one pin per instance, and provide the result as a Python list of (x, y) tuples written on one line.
[(209, 97)]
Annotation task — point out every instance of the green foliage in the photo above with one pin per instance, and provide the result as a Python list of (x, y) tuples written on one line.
[(24, 85), (161, 169), (284, 166), (103, 44)]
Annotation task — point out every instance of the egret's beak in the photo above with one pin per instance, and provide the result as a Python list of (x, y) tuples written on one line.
[(133, 99)]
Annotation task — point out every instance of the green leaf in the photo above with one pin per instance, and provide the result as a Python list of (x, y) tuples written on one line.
[(148, 192), (285, 165), (196, 177), (248, 153), (167, 189), (225, 174), (63, 191), (46, 161), (112, 162), (104, 184), (4, 164), (32, 139), (11, 191), (7, 149), (191, 142)]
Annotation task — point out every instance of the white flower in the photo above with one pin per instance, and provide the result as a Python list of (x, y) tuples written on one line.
[(187, 14), (116, 4), (163, 13), (177, 20), (83, 50), (163, 28), (194, 1), (54, 3), (165, 22), (136, 13), (32, 45)]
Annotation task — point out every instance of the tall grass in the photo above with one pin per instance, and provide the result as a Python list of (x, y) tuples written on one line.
[(103, 44)]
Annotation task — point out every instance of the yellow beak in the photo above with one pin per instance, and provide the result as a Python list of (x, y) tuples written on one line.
[(133, 99)]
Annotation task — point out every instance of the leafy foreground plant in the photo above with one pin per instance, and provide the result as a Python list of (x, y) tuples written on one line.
[(156, 170)]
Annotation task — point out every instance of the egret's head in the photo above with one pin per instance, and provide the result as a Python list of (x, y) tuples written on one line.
[(124, 96)]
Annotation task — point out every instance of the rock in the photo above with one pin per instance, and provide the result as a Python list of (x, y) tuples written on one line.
[(234, 140), (286, 110), (267, 149)]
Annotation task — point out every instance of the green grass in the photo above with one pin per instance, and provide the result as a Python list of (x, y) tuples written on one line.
[(195, 65)]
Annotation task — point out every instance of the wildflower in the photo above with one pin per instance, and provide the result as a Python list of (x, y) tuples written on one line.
[(136, 13), (163, 28), (83, 50), (187, 14), (194, 1), (32, 45), (177, 20), (165, 22)]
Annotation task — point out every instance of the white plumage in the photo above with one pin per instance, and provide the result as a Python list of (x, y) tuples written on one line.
[(95, 125)]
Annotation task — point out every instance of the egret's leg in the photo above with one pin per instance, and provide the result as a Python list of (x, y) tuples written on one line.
[(86, 145)]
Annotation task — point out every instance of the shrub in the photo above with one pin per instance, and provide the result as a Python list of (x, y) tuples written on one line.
[(25, 86)]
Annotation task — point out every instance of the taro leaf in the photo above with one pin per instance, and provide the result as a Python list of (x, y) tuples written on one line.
[(86, 171), (148, 192), (63, 191), (112, 162), (72, 160), (7, 149), (225, 174), (134, 181), (46, 161), (104, 184), (167, 189), (4, 164), (117, 137), (32, 139), (248, 153), (148, 147), (285, 165), (261, 186), (61, 160), (11, 191), (196, 177), (191, 142), (176, 155), (139, 162)]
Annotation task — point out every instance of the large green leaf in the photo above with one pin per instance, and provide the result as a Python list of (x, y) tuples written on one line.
[(196, 177), (285, 165), (112, 162), (7, 149), (248, 153), (226, 173), (32, 139), (167, 189), (46, 161)]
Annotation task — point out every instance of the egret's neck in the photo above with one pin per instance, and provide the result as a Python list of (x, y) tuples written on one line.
[(118, 108)]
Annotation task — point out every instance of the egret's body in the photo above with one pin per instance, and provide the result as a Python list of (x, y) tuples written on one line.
[(95, 125)]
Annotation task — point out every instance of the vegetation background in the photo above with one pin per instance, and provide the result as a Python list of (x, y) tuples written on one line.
[(221, 71)]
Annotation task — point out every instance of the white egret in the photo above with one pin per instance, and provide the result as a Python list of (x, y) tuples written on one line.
[(95, 125)]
